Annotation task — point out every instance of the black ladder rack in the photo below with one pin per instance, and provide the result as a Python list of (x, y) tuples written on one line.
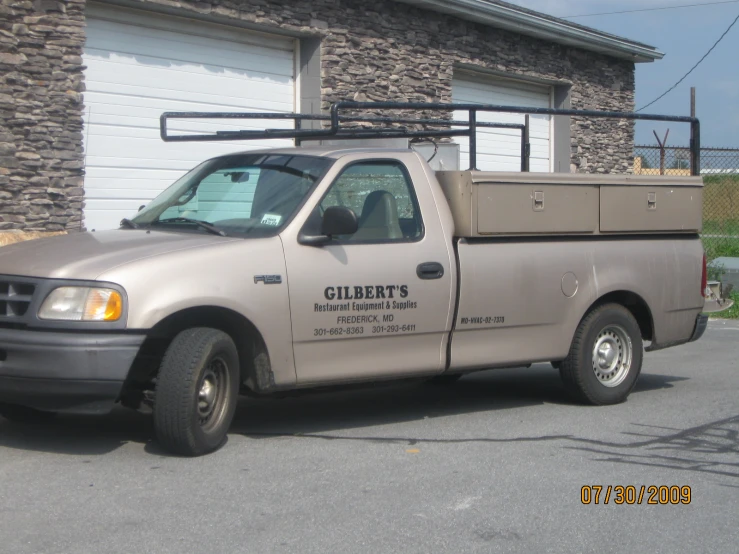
[(343, 125)]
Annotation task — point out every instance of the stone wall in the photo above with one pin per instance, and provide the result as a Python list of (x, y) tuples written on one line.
[(41, 84), (381, 50)]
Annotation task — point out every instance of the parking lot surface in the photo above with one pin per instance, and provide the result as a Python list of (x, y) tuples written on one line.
[(494, 463)]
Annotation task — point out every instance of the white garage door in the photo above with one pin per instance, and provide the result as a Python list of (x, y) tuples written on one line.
[(139, 67), (500, 149)]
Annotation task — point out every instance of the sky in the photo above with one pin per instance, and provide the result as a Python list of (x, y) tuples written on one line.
[(684, 35)]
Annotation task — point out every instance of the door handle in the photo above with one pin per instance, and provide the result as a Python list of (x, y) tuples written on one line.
[(430, 270)]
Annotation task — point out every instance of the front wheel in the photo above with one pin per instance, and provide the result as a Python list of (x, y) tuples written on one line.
[(605, 358), (196, 391)]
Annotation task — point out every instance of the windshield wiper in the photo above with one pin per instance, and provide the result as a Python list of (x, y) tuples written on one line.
[(203, 224), (125, 222)]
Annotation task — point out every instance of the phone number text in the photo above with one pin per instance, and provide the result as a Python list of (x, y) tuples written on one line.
[(393, 328), (338, 331)]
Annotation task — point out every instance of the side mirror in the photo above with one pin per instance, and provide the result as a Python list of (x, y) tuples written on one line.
[(337, 220), (142, 206)]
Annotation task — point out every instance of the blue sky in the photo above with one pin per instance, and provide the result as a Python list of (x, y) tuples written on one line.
[(684, 35)]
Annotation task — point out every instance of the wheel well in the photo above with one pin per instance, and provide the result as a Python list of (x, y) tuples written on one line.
[(635, 304), (255, 369)]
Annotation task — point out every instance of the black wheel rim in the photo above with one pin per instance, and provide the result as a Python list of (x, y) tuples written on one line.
[(212, 394)]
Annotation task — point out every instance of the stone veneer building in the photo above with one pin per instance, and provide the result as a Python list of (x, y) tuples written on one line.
[(82, 85)]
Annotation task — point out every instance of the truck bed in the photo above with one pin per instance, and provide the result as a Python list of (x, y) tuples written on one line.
[(521, 299)]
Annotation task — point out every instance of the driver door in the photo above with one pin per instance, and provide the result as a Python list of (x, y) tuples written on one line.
[(361, 307)]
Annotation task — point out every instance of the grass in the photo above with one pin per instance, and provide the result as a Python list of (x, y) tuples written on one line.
[(721, 227), (718, 247)]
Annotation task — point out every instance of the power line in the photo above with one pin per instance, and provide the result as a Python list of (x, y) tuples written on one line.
[(673, 87), (650, 9)]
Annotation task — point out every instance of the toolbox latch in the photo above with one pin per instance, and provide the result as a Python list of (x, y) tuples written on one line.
[(651, 201), (538, 201)]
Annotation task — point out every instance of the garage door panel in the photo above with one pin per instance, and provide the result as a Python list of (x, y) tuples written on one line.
[(161, 83), (168, 82), (214, 91), (134, 185), (208, 61), (141, 174), (135, 123), (143, 63), (110, 27), (129, 205), (137, 71), (508, 99), (512, 159), (123, 195), (119, 40), (500, 149), (177, 156), (138, 117), (480, 90), (178, 160), (508, 140)]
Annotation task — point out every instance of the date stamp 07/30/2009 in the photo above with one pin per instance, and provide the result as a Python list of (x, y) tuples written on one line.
[(639, 494)]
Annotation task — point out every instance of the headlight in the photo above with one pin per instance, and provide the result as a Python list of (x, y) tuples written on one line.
[(82, 304)]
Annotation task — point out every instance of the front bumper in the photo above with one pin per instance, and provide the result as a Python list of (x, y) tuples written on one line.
[(65, 372)]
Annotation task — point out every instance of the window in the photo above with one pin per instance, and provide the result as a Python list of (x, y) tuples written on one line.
[(381, 195), (252, 195)]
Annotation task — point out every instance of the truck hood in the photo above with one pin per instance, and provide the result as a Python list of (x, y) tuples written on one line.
[(87, 255)]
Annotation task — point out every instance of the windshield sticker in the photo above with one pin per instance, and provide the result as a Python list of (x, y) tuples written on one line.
[(271, 219)]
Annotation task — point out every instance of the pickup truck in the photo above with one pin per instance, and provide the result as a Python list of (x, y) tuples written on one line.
[(282, 269)]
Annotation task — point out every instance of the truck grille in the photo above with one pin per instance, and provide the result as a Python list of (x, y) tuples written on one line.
[(15, 298)]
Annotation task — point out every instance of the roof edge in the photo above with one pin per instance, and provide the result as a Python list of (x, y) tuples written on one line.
[(535, 24)]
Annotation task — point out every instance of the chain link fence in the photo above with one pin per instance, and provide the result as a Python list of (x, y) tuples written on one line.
[(720, 171)]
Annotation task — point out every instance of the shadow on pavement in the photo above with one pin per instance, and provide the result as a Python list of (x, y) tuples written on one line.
[(78, 435), (711, 448), (316, 412), (485, 391)]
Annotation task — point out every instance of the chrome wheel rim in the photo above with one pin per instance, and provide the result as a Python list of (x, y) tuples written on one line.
[(212, 393), (612, 355)]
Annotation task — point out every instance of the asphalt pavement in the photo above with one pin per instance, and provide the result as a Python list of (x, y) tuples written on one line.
[(494, 463)]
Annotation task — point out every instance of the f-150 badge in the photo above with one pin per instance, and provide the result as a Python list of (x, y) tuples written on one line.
[(268, 279)]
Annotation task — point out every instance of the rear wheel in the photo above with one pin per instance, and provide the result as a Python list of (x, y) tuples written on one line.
[(196, 391), (605, 358), (22, 414)]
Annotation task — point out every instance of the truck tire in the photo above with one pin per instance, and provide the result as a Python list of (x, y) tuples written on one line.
[(605, 358), (22, 414), (196, 391)]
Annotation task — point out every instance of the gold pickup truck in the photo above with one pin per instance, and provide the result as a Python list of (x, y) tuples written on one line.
[(273, 270)]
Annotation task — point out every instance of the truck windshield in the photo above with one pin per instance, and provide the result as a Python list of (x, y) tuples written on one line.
[(252, 195)]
